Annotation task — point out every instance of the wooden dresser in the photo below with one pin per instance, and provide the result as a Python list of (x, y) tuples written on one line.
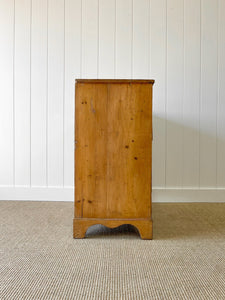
[(113, 154)]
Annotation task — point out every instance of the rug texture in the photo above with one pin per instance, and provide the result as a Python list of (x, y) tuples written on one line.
[(41, 260)]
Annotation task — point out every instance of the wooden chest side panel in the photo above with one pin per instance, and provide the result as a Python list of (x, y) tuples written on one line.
[(129, 151), (91, 150), (113, 150)]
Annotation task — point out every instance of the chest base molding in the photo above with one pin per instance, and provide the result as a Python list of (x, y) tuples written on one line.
[(80, 225)]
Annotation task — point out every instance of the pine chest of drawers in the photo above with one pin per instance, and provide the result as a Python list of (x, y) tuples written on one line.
[(113, 154)]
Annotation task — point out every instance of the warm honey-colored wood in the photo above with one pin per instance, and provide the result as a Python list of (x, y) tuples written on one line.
[(113, 154), (91, 151)]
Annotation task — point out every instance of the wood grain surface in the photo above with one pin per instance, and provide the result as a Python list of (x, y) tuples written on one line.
[(113, 150)]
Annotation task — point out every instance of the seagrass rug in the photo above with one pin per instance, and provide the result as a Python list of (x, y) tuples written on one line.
[(41, 260)]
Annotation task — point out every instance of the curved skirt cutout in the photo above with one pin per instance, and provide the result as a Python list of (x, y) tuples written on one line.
[(80, 226)]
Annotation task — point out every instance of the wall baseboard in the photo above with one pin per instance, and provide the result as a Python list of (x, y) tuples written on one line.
[(188, 195), (37, 193), (67, 194)]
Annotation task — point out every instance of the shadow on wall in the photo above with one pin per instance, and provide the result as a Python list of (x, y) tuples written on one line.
[(188, 153)]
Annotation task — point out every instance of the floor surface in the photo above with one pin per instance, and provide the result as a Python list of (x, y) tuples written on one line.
[(41, 260)]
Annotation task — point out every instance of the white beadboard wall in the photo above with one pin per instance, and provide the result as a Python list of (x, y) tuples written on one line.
[(46, 44)]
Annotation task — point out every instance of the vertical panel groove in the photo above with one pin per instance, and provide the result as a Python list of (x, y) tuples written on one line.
[(149, 40), (14, 150), (166, 96), (217, 102), (182, 173), (184, 68), (200, 94), (81, 39), (115, 44), (132, 36), (64, 66), (98, 40), (47, 99), (30, 83), (221, 96)]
